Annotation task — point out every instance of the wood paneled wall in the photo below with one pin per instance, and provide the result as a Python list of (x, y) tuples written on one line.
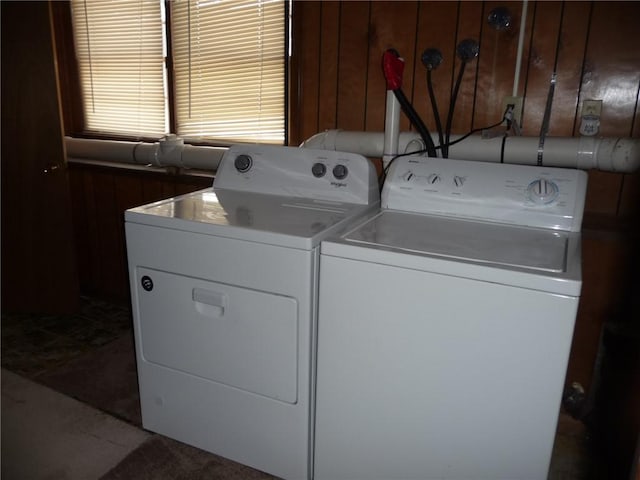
[(592, 46), (337, 82), (100, 195)]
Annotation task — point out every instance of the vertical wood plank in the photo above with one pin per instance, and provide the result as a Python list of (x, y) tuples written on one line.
[(612, 72), (603, 193), (328, 74), (496, 65), (154, 189), (352, 65), (437, 23), (604, 271), (81, 221), (547, 17), (94, 276), (630, 196), (630, 199), (191, 185), (128, 193), (470, 25), (305, 69), (573, 40), (108, 249), (393, 25)]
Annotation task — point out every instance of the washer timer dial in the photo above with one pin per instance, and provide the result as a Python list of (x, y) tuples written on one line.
[(542, 191)]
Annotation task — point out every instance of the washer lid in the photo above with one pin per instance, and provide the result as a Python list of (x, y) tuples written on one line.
[(463, 239), (276, 220), (539, 259)]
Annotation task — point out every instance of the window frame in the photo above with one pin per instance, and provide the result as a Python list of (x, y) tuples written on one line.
[(70, 87)]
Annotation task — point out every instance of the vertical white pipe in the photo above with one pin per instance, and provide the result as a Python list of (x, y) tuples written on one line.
[(523, 24), (391, 128)]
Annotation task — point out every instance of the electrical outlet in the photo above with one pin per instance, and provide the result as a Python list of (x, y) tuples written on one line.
[(517, 107), (590, 122), (591, 108)]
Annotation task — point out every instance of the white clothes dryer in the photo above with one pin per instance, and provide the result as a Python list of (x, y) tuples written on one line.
[(224, 295), (445, 324)]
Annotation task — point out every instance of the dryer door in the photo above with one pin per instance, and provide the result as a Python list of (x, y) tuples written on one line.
[(235, 336)]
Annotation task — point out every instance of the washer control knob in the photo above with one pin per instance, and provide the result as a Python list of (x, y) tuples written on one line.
[(542, 191), (340, 171), (433, 179), (319, 169), (458, 181), (243, 163)]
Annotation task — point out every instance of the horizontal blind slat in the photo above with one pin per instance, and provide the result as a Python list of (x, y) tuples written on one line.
[(119, 47), (229, 62), (228, 59)]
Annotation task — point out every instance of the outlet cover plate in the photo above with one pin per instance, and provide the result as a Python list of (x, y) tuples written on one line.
[(517, 103)]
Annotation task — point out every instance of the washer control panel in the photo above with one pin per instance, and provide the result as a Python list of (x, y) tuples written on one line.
[(298, 172), (544, 197)]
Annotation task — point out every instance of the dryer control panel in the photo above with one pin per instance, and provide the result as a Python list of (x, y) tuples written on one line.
[(298, 172), (543, 197)]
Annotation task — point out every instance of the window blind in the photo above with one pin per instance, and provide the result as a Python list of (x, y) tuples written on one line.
[(228, 66), (119, 48)]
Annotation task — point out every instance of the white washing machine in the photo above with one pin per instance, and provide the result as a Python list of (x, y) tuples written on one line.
[(224, 295), (445, 324)]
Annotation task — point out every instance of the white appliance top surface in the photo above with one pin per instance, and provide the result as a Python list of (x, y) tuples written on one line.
[(286, 221), (482, 242), (286, 196), (532, 258)]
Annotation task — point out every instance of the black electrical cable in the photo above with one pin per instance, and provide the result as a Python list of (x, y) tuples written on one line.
[(467, 50), (383, 173), (431, 59), (452, 106), (385, 170), (475, 130), (434, 107), (416, 121), (502, 146)]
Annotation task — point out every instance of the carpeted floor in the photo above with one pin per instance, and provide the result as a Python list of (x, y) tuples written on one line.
[(90, 356)]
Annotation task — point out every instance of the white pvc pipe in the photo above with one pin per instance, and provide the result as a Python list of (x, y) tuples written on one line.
[(523, 24), (168, 152), (608, 154), (391, 127)]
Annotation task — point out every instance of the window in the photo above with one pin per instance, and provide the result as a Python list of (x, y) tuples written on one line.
[(204, 69)]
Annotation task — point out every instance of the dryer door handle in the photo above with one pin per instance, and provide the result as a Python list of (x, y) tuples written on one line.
[(209, 302)]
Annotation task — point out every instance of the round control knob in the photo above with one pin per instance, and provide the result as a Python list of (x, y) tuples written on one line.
[(542, 191), (340, 171), (243, 163), (433, 179), (319, 169), (458, 181)]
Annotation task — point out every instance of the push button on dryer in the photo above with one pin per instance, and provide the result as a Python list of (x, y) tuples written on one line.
[(147, 283), (318, 169), (340, 171)]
